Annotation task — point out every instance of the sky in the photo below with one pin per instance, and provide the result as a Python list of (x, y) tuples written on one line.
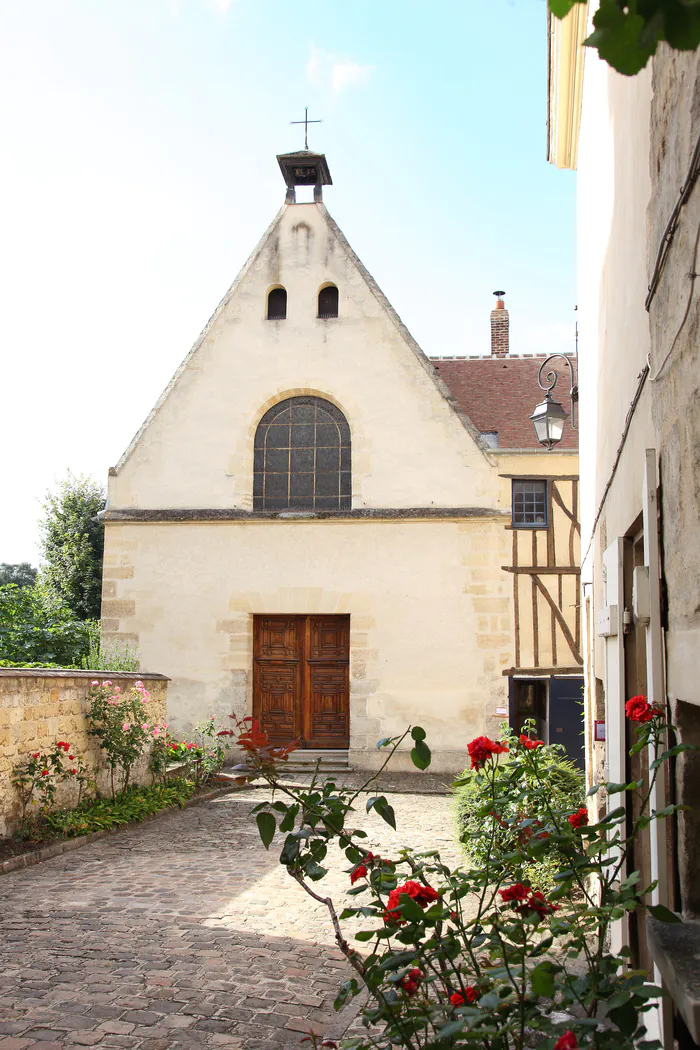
[(139, 173)]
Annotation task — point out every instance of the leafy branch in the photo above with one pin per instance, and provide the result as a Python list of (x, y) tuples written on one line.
[(626, 33)]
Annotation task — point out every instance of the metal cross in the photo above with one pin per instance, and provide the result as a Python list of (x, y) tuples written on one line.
[(306, 123)]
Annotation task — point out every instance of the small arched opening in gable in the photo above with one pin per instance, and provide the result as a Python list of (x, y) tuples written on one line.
[(328, 301), (302, 457), (277, 304)]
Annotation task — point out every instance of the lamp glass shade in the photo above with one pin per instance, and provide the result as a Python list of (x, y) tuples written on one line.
[(548, 420)]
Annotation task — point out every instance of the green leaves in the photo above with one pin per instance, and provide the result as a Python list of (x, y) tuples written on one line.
[(542, 979), (420, 752), (560, 8), (267, 827), (382, 807), (627, 35), (660, 912)]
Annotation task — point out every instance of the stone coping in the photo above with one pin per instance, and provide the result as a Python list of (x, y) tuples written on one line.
[(675, 948), (66, 672), (185, 514)]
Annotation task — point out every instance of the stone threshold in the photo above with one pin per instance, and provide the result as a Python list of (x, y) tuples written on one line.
[(55, 849)]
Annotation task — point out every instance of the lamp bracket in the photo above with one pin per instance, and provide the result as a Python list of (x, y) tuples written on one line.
[(550, 381)]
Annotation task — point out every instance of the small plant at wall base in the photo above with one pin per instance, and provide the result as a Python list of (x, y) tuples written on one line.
[(458, 957), (108, 654), (204, 757), (133, 804), (121, 724), (37, 777)]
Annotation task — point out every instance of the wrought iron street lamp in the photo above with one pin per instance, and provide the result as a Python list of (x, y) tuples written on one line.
[(550, 416)]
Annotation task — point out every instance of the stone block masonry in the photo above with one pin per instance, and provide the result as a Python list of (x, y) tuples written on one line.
[(38, 707)]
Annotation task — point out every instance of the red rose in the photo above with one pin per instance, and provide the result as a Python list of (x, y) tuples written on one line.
[(44, 772), (530, 744), (72, 758), (359, 872), (578, 820), (638, 710), (421, 894), (37, 754), (539, 904), (481, 749), (567, 1041), (74, 771), (470, 996), (517, 892), (410, 982)]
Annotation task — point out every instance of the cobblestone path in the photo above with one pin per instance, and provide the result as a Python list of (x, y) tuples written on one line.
[(179, 934)]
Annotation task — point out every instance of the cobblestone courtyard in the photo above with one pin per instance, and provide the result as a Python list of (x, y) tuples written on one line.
[(179, 934)]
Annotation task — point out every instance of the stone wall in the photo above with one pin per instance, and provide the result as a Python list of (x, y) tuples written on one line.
[(675, 394), (38, 707)]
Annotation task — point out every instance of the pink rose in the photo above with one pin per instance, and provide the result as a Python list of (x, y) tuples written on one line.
[(95, 682), (126, 726), (145, 725), (156, 731)]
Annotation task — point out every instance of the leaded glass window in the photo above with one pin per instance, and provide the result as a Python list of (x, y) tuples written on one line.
[(302, 457), (530, 504)]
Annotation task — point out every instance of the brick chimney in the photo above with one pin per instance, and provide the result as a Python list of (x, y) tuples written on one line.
[(499, 328)]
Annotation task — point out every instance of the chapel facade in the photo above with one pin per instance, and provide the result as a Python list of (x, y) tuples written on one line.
[(322, 527)]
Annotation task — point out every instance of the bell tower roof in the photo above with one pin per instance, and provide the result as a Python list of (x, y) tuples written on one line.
[(304, 168)]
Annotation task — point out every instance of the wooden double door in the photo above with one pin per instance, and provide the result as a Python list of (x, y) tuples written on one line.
[(301, 679)]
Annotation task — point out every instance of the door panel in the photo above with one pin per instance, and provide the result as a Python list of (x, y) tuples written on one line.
[(329, 638), (301, 681), (277, 638), (278, 694), (328, 691), (566, 717)]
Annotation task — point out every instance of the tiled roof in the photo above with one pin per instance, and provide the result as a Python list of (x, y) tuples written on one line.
[(500, 393)]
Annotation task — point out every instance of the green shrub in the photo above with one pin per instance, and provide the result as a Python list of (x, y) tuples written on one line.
[(103, 814), (37, 631), (495, 832)]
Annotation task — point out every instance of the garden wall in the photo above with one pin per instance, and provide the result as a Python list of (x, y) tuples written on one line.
[(38, 707)]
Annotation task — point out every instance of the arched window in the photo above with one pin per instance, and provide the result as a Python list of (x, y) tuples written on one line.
[(277, 304), (302, 457), (328, 301)]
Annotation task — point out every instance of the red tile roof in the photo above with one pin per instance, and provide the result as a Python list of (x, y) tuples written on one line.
[(500, 393)]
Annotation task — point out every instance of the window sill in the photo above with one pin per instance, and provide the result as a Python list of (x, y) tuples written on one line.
[(675, 948)]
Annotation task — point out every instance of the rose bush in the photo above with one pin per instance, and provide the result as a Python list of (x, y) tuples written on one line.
[(494, 830), (204, 756), (36, 779), (121, 723), (457, 957)]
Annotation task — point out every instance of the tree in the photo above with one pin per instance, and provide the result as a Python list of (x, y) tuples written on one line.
[(36, 631), (20, 573), (626, 33), (72, 545)]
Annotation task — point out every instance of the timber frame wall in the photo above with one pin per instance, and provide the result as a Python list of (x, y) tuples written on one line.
[(545, 566)]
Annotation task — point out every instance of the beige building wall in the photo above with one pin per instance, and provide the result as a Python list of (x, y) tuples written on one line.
[(429, 605), (188, 562), (411, 445)]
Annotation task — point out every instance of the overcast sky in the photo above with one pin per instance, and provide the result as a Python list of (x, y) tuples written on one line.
[(138, 173)]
